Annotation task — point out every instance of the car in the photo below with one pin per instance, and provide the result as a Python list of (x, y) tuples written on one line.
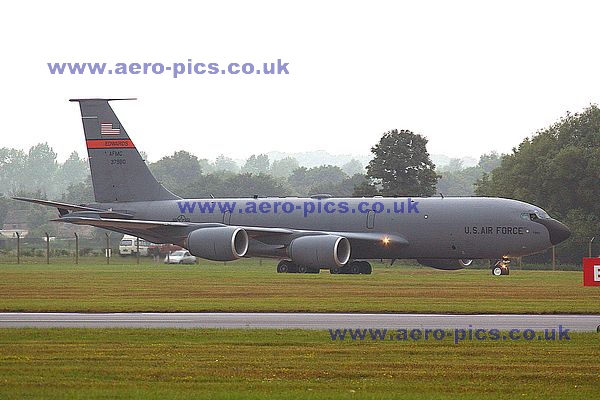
[(180, 257), (162, 249)]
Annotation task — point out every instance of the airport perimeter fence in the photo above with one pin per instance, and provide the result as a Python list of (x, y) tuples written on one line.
[(75, 250), (48, 249)]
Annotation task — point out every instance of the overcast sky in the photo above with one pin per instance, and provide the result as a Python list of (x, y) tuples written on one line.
[(472, 76)]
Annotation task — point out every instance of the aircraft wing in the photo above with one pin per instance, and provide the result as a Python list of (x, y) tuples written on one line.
[(272, 239), (153, 231), (282, 236), (370, 238), (177, 232)]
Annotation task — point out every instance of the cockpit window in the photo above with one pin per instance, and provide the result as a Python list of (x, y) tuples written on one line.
[(533, 215), (543, 214)]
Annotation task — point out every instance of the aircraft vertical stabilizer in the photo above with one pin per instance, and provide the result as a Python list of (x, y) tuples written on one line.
[(119, 174)]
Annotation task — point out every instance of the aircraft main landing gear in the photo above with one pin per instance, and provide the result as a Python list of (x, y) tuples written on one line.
[(290, 267), (353, 267), (286, 266)]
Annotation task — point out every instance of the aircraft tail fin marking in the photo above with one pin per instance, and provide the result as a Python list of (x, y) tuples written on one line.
[(109, 144), (119, 174)]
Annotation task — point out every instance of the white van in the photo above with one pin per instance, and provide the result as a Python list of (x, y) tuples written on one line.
[(128, 246)]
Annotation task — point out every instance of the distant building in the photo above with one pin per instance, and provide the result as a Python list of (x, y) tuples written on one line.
[(68, 231), (15, 222)]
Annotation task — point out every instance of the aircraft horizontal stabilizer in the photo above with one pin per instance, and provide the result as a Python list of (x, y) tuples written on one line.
[(63, 206), (66, 208)]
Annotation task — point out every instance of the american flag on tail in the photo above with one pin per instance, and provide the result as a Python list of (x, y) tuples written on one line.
[(107, 128)]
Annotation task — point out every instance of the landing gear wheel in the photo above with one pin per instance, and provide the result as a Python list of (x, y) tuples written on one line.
[(335, 270), (302, 269), (284, 267), (365, 268), (500, 270), (501, 267), (354, 268)]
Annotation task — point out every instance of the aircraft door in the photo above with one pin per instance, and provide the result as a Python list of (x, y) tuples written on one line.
[(370, 219), (227, 217)]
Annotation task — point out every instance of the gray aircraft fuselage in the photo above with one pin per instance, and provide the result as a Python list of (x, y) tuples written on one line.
[(448, 228)]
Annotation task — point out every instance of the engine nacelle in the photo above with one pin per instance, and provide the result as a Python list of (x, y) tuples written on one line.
[(320, 251), (225, 243), (444, 263)]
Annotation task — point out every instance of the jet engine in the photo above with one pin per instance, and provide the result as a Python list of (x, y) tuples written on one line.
[(444, 263), (226, 243), (320, 251)]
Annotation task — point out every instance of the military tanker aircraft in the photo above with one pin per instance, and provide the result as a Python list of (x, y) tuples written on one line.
[(306, 234)]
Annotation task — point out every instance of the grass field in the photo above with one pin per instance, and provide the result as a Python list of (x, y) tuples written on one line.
[(247, 286), (253, 364)]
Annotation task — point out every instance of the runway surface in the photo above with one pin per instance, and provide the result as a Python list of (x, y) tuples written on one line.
[(297, 321)]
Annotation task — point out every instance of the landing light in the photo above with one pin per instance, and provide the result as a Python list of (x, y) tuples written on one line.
[(386, 241)]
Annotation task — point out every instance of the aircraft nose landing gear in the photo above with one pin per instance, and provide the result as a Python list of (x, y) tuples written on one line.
[(501, 267)]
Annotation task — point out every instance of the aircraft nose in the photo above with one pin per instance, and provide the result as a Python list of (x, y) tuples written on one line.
[(558, 231)]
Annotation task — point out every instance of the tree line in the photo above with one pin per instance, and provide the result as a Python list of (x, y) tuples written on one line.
[(38, 173), (557, 169)]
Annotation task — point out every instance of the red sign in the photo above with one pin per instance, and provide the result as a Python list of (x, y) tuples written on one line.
[(591, 272)]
